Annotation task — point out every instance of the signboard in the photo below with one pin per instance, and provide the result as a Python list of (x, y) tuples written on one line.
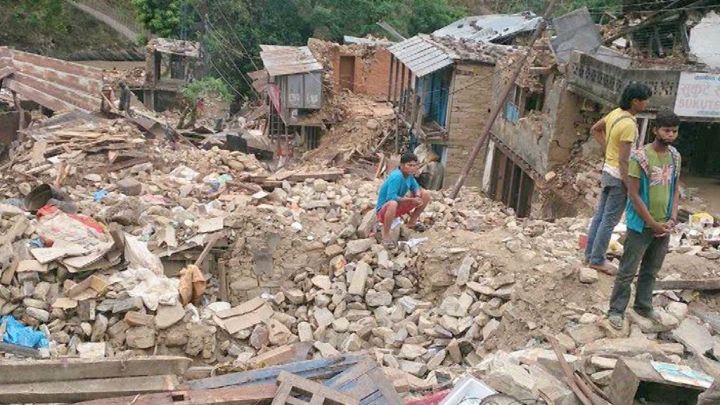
[(698, 95)]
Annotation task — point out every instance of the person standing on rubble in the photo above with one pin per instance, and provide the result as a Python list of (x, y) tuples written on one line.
[(653, 188), (616, 133), (393, 201)]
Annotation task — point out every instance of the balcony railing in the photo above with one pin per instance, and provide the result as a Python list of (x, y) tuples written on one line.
[(603, 82)]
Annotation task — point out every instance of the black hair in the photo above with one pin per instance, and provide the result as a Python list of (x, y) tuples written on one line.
[(408, 157), (634, 91), (666, 118)]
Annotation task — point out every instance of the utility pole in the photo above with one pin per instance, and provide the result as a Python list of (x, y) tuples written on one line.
[(501, 103), (204, 35)]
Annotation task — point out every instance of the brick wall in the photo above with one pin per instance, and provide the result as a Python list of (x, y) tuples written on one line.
[(471, 93), (372, 66)]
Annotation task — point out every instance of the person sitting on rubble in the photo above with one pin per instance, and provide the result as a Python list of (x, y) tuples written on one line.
[(393, 201), (653, 188), (616, 133)]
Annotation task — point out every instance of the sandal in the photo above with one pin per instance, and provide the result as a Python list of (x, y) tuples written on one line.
[(419, 227), (389, 244)]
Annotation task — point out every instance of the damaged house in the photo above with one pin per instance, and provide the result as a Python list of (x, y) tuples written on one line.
[(169, 65), (293, 82), (442, 84), (546, 119)]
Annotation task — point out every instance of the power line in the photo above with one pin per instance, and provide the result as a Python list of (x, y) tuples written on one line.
[(238, 40)]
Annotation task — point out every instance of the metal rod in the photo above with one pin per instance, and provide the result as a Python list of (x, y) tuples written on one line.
[(499, 106)]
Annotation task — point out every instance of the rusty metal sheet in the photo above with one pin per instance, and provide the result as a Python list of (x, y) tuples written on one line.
[(286, 60)]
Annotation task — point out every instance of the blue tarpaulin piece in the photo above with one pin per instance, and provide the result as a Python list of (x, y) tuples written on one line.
[(19, 334), (100, 195)]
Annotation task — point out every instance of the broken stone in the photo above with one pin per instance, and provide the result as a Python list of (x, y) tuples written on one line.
[(451, 306), (280, 334), (677, 309), (648, 325), (322, 282), (134, 318), (305, 332), (129, 186), (99, 328), (326, 349), (295, 296), (602, 377), (355, 247), (91, 350), (367, 225), (437, 359), (511, 379), (323, 317), (140, 337), (341, 325), (359, 278), (603, 363), (490, 328), (412, 352), (588, 275), (584, 334), (352, 343), (169, 315), (39, 314), (415, 368), (694, 336), (260, 337), (463, 272), (378, 298)]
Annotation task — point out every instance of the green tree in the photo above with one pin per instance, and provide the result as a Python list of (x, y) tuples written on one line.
[(161, 17)]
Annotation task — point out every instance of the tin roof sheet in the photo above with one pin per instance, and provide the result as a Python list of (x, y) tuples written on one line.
[(489, 28), (287, 60)]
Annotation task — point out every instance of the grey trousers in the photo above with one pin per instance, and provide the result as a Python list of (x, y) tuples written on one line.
[(647, 252)]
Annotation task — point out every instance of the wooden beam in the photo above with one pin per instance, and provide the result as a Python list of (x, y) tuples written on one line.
[(323, 368), (246, 394), (700, 284), (83, 390), (14, 372), (19, 350)]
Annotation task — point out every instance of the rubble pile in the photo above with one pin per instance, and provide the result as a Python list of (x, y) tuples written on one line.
[(207, 254), (364, 130)]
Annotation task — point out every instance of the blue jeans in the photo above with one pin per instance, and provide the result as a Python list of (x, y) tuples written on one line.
[(610, 208)]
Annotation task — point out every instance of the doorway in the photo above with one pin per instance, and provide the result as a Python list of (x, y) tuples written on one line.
[(510, 184), (347, 73)]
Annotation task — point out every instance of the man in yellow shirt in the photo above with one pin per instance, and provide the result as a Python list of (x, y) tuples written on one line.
[(616, 133)]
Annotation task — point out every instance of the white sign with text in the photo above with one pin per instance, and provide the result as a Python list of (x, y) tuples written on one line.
[(698, 95)]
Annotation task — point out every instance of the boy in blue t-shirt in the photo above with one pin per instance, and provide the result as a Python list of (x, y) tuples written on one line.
[(392, 200)]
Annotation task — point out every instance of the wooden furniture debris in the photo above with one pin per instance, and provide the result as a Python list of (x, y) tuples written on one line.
[(367, 382), (293, 389), (311, 369), (634, 378), (75, 379)]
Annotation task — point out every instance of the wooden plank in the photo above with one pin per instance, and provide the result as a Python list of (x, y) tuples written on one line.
[(83, 390), (246, 394), (320, 393), (19, 350), (322, 368), (701, 284), (64, 369)]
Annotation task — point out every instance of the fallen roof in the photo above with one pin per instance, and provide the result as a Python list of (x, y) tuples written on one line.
[(176, 47), (489, 28), (348, 39), (287, 60), (424, 54)]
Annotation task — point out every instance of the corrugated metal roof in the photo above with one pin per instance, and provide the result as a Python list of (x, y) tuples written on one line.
[(287, 60), (423, 54), (489, 28)]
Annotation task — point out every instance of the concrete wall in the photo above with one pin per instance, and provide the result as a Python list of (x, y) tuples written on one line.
[(469, 104), (544, 139)]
